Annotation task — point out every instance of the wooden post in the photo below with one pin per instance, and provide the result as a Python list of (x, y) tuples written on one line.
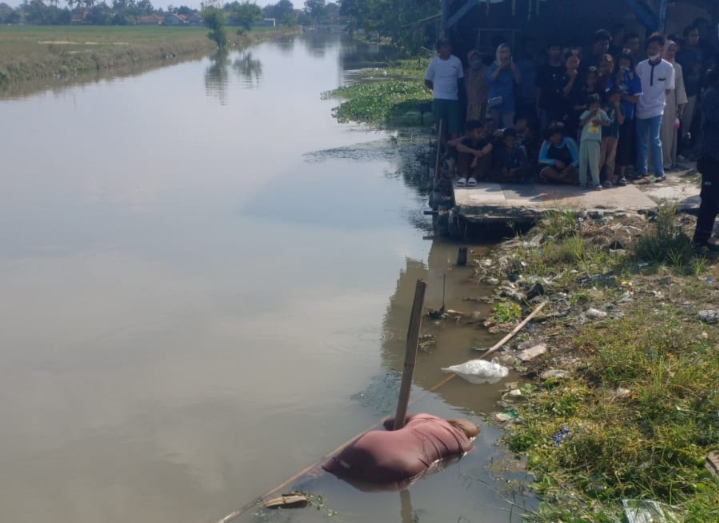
[(410, 356), (662, 22), (462, 257), (443, 29)]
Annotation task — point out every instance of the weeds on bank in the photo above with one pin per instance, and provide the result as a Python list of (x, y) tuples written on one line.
[(391, 96), (641, 402)]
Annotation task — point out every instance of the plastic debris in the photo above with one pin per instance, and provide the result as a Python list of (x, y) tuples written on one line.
[(532, 352), (622, 393), (595, 314), (479, 371), (561, 435), (648, 511), (712, 463), (556, 374), (709, 316), (507, 415)]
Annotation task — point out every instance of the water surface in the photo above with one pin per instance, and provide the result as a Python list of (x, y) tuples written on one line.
[(206, 283)]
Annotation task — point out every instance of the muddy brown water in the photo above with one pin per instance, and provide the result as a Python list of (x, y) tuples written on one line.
[(206, 283)]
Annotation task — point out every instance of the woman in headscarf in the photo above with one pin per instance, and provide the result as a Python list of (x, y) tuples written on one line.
[(476, 86), (676, 100), (502, 75)]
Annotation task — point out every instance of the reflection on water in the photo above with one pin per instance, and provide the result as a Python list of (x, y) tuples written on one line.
[(217, 75), (249, 69), (193, 305)]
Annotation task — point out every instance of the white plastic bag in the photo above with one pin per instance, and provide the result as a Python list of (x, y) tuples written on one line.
[(479, 371)]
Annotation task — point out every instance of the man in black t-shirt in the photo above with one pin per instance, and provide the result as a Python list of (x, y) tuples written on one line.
[(550, 99), (474, 154)]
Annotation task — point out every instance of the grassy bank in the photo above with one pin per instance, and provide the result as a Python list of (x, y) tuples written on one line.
[(632, 409), (36, 52), (390, 97)]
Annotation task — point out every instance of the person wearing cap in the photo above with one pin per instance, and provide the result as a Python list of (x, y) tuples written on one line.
[(442, 77), (708, 164), (476, 86), (395, 458)]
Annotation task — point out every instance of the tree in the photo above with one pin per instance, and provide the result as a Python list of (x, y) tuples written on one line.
[(214, 20), (245, 15), (289, 19), (315, 9), (145, 6), (279, 10)]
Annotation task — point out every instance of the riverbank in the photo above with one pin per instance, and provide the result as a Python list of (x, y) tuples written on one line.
[(624, 403), (38, 52)]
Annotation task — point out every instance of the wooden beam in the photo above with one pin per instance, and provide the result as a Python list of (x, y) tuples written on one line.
[(645, 14), (662, 24), (459, 14)]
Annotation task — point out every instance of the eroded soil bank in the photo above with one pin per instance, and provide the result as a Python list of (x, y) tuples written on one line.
[(623, 403)]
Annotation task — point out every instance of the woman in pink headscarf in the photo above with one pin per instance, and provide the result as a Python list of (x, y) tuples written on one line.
[(674, 110)]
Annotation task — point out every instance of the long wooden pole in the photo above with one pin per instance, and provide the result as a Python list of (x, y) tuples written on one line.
[(410, 355)]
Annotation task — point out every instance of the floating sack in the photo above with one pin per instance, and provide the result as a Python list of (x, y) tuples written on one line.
[(479, 371)]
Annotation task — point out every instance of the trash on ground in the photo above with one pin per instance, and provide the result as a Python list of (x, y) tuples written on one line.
[(595, 314), (709, 316), (712, 463), (648, 511), (622, 393), (291, 500), (532, 352), (556, 374), (561, 435), (507, 415), (479, 371)]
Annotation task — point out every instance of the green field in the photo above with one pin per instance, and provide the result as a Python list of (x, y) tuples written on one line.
[(33, 52)]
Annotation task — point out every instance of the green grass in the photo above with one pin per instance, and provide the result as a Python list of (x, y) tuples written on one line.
[(650, 441), (32, 52), (389, 97)]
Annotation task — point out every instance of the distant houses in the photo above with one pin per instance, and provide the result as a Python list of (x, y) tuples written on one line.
[(79, 18), (171, 19)]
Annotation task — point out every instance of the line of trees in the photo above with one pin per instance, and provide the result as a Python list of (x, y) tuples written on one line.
[(123, 12), (410, 24)]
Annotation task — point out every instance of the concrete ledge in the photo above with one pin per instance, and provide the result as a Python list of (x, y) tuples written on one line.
[(492, 202)]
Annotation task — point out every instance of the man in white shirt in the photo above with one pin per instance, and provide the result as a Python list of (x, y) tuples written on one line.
[(442, 77), (657, 78)]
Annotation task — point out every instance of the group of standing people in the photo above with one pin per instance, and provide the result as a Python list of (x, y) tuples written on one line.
[(628, 106)]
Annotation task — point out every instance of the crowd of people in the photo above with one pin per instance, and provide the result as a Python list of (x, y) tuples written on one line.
[(593, 118)]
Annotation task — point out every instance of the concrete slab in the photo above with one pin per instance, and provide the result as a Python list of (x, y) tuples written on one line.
[(502, 202)]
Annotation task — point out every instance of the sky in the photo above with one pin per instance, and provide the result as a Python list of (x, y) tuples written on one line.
[(164, 3)]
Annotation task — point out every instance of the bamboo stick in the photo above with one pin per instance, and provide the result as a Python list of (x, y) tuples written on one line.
[(410, 356), (518, 328)]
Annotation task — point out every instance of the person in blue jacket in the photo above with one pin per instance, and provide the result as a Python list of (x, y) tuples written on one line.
[(558, 158), (502, 76)]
